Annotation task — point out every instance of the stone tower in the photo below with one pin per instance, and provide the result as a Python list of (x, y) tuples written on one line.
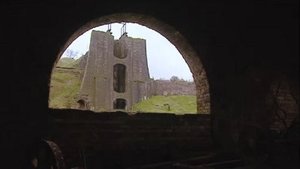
[(116, 73)]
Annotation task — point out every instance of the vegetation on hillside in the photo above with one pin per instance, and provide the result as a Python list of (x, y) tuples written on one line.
[(65, 85), (68, 62)]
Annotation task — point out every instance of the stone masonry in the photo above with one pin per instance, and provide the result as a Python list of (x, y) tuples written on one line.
[(116, 75)]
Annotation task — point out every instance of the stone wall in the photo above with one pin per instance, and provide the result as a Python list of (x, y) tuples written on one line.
[(98, 85), (167, 87), (282, 105), (128, 140), (203, 95), (102, 78), (96, 80), (83, 61)]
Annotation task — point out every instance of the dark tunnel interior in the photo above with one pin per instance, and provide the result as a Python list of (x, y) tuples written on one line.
[(247, 52)]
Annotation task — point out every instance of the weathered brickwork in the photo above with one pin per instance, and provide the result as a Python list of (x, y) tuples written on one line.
[(203, 95), (282, 103)]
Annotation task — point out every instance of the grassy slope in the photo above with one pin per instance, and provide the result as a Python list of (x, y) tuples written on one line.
[(178, 104), (66, 62), (65, 84)]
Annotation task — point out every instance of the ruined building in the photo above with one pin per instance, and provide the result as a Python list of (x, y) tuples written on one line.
[(116, 73)]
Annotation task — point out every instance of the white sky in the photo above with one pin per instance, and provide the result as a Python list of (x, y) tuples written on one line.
[(164, 60)]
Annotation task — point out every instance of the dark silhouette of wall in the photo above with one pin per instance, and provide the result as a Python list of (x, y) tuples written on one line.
[(128, 136)]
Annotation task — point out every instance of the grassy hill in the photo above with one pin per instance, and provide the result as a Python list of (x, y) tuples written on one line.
[(68, 62), (167, 104), (66, 81), (65, 84)]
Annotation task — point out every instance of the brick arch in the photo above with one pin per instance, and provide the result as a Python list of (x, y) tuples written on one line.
[(170, 33)]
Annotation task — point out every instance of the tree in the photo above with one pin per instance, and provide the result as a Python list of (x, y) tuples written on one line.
[(174, 79), (71, 53)]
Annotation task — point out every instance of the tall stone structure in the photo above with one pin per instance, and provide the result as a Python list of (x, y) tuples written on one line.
[(116, 73)]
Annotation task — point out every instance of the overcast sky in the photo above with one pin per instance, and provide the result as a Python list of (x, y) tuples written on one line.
[(164, 60)]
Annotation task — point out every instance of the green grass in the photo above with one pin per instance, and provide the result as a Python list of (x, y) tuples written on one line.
[(178, 105), (65, 85), (64, 88), (67, 62)]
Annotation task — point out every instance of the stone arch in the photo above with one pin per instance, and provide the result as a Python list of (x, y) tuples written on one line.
[(170, 33)]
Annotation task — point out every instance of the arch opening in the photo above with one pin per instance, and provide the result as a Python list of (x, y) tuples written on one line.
[(189, 55), (120, 104)]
